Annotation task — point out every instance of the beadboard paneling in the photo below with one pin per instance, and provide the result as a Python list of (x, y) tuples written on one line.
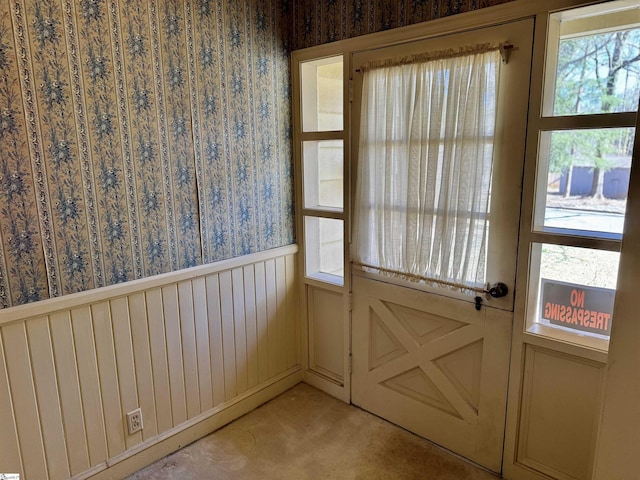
[(179, 346)]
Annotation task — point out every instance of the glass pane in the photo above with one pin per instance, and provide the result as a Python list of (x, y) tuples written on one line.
[(598, 64), (324, 248), (323, 174), (322, 95), (576, 288), (425, 170), (587, 179)]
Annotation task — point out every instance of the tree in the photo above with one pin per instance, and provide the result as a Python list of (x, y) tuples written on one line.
[(562, 156), (596, 74), (582, 147)]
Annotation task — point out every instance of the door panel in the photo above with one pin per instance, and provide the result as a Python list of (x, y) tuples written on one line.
[(434, 365), (423, 356)]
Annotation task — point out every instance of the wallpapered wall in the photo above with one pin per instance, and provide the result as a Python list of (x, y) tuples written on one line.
[(139, 137), (330, 20)]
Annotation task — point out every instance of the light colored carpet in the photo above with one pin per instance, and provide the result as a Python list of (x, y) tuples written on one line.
[(305, 434)]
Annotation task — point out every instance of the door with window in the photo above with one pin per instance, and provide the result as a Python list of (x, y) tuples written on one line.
[(438, 149)]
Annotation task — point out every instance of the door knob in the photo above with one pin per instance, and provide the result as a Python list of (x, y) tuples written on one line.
[(498, 290)]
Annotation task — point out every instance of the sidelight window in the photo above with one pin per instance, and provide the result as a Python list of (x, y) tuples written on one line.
[(322, 155), (585, 140)]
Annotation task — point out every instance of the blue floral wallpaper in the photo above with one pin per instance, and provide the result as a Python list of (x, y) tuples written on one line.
[(139, 137), (23, 276), (318, 22)]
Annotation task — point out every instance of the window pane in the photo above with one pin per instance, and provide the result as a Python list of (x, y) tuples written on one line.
[(598, 63), (323, 174), (425, 169), (322, 96), (576, 287), (587, 179), (324, 248)]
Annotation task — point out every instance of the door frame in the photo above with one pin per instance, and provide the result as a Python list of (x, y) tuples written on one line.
[(489, 16)]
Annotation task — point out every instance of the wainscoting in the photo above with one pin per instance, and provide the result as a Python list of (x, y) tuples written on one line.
[(193, 349)]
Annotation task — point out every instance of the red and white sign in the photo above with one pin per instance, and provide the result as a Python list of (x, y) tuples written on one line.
[(577, 306)]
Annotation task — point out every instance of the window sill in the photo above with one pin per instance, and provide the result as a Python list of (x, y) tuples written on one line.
[(592, 341), (327, 278)]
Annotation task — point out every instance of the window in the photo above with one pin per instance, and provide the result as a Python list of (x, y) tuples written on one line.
[(425, 167), (322, 96), (322, 153), (323, 179), (324, 247), (587, 180), (585, 140)]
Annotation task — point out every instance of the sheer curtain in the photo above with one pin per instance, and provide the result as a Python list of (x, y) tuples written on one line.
[(425, 166)]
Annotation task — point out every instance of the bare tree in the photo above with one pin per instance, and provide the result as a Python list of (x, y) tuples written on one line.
[(596, 74)]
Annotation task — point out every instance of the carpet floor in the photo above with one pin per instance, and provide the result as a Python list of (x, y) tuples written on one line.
[(305, 434)]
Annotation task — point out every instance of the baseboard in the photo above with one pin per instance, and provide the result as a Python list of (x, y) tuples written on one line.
[(327, 386), (158, 447)]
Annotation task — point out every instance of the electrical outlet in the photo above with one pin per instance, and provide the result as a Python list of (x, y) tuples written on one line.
[(134, 421)]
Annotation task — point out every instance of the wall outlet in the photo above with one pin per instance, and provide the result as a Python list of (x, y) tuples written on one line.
[(134, 421)]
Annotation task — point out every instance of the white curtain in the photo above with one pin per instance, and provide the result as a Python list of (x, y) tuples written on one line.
[(425, 166)]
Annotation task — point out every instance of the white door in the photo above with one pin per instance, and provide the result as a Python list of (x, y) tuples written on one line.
[(425, 357)]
